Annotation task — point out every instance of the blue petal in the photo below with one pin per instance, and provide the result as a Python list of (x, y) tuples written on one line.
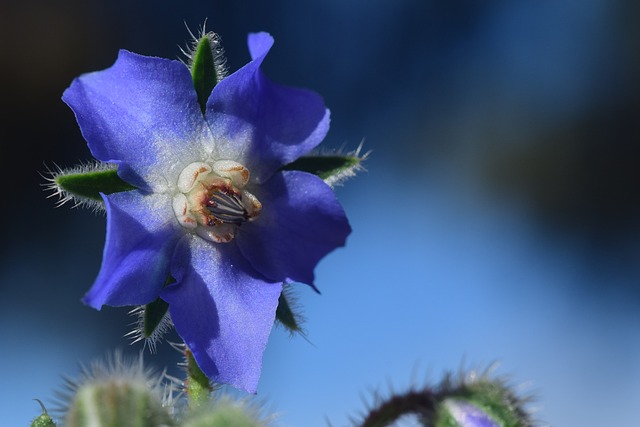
[(259, 45), (261, 124), (222, 309), (141, 237), (142, 113), (301, 221)]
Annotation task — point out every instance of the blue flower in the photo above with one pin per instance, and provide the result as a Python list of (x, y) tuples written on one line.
[(212, 208)]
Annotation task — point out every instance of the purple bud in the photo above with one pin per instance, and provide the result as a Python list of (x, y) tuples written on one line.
[(466, 414)]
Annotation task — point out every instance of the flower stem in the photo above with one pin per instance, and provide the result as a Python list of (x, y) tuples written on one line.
[(421, 403)]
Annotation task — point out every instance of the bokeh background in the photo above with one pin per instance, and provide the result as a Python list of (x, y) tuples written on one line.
[(498, 219)]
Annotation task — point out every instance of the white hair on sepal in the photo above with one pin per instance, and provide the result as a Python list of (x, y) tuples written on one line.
[(51, 185), (339, 178), (219, 58), (137, 333)]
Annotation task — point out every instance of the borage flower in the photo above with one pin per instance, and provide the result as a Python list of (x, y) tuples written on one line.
[(213, 207)]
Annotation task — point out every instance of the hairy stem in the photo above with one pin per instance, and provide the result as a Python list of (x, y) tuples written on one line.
[(419, 403)]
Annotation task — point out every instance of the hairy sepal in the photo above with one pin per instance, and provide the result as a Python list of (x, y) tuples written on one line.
[(83, 184), (288, 312), (332, 168)]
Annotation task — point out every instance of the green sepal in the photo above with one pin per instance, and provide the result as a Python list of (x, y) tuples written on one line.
[(288, 311), (331, 168), (203, 71), (153, 316), (285, 315), (153, 321), (89, 184), (197, 385), (155, 312)]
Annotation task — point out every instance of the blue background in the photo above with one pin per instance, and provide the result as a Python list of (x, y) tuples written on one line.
[(498, 219)]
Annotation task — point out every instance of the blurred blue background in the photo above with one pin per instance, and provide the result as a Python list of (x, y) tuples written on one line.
[(498, 219)]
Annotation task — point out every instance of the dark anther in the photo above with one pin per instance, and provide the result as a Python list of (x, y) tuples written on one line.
[(227, 207)]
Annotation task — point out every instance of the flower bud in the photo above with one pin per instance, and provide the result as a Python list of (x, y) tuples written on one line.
[(119, 394), (461, 413), (468, 400), (224, 413), (43, 420)]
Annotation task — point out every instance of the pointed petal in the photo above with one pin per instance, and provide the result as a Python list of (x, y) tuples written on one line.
[(301, 221), (222, 309), (262, 124), (142, 113), (141, 237)]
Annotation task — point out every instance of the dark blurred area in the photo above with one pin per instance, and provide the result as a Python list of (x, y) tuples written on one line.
[(535, 104)]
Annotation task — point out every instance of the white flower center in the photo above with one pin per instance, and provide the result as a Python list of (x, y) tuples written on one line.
[(212, 201)]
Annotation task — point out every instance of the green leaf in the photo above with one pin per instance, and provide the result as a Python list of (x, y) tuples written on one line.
[(90, 183), (331, 168), (203, 71)]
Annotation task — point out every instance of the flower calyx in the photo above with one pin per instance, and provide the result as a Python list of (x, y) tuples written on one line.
[(212, 200)]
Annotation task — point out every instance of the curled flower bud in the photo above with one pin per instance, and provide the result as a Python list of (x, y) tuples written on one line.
[(470, 400)]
